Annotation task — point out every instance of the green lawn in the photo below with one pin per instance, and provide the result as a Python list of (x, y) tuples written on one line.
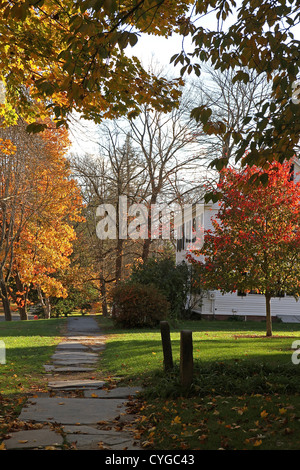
[(244, 393), (136, 354), (28, 345)]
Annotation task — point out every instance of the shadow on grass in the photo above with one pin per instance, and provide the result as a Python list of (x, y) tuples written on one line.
[(40, 327), (221, 367)]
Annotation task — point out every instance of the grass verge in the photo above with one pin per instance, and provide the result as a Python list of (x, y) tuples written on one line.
[(28, 346), (245, 391)]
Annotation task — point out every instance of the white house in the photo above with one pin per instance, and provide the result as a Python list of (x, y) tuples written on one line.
[(214, 304)]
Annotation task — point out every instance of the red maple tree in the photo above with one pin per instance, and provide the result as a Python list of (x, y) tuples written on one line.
[(255, 241)]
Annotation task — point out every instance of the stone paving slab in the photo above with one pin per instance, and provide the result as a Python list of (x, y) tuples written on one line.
[(67, 369), (85, 338), (119, 392), (33, 438), (63, 410), (76, 355), (71, 347), (71, 361), (98, 348), (87, 437), (75, 384)]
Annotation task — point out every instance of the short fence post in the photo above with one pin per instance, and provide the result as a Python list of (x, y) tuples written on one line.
[(166, 344), (186, 358)]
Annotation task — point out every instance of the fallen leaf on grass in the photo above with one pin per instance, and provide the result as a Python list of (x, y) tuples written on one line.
[(257, 443), (264, 414), (147, 444), (176, 420)]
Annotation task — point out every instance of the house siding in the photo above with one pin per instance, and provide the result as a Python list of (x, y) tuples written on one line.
[(251, 304)]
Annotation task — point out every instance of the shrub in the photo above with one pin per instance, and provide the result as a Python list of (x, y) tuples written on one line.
[(171, 279), (77, 300), (63, 307), (137, 305)]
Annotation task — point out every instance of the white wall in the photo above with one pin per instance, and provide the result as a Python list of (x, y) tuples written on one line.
[(251, 304)]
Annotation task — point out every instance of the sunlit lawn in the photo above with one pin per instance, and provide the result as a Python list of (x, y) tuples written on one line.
[(137, 353), (28, 346), (244, 393)]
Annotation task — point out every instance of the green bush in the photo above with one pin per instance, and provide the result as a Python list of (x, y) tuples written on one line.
[(77, 300), (171, 279), (63, 307), (136, 305)]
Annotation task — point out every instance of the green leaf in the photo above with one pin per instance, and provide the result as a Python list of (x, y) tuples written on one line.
[(35, 128), (133, 39)]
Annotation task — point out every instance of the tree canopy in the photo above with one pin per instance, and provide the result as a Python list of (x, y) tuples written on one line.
[(58, 57), (39, 205)]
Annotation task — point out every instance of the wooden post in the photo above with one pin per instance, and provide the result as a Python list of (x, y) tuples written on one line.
[(186, 358), (166, 344)]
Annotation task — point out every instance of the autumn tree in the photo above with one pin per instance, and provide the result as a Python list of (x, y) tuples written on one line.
[(171, 156), (39, 204), (17, 194), (71, 57), (103, 179), (146, 160), (255, 241)]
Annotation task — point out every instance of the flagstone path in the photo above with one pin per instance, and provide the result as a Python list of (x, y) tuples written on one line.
[(79, 412)]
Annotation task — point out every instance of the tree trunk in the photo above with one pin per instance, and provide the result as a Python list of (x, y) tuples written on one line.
[(119, 259), (147, 241), (5, 301), (268, 315), (146, 249), (48, 308), (103, 297), (22, 308), (23, 312), (45, 303)]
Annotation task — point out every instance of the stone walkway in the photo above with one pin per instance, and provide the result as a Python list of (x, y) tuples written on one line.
[(79, 412)]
